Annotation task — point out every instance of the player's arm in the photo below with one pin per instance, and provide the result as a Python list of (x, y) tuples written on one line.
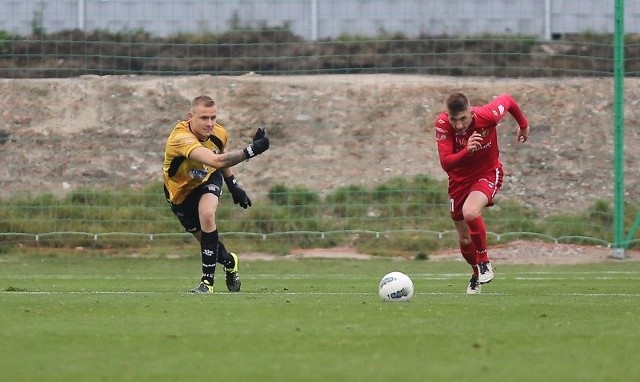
[(518, 115), (505, 103), (450, 160), (237, 193), (219, 161), (523, 134)]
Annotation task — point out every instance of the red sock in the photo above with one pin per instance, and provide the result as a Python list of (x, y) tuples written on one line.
[(469, 253), (478, 233)]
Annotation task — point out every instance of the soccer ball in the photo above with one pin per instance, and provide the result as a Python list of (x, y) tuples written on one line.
[(395, 286)]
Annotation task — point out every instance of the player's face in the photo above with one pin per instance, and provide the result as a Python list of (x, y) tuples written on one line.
[(202, 120), (461, 121)]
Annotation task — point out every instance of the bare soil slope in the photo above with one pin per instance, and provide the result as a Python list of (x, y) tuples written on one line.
[(327, 131)]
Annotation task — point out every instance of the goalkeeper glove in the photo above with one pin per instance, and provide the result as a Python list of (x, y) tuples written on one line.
[(239, 195), (260, 143)]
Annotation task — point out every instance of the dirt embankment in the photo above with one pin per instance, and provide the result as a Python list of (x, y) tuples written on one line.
[(327, 131)]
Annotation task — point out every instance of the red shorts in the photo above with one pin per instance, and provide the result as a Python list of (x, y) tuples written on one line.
[(488, 183)]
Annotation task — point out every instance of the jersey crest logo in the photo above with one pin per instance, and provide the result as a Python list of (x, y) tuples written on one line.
[(441, 121), (187, 140), (198, 174)]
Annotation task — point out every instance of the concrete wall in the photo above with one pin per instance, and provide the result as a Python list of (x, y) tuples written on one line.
[(314, 19)]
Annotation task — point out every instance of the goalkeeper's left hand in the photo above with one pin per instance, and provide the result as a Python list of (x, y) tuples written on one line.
[(239, 195), (260, 143)]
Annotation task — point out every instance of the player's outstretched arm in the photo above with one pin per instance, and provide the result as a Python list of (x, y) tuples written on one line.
[(260, 144)]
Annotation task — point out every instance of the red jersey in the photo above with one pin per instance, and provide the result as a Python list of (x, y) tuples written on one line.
[(462, 166)]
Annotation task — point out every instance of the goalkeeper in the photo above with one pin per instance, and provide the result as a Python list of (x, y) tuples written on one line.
[(195, 165)]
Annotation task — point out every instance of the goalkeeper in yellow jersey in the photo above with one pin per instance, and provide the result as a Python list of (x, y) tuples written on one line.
[(195, 165)]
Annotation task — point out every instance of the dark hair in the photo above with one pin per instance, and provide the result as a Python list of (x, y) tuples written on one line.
[(202, 100), (456, 103)]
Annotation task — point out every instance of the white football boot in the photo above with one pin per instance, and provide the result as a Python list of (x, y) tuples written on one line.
[(486, 272), (474, 286)]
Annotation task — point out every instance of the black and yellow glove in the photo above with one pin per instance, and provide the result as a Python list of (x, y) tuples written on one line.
[(239, 195), (260, 143)]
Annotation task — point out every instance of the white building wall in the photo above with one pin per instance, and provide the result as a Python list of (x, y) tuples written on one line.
[(333, 17)]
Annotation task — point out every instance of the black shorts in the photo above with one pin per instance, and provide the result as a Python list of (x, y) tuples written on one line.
[(187, 211)]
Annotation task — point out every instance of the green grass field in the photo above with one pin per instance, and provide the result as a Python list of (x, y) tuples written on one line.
[(101, 318)]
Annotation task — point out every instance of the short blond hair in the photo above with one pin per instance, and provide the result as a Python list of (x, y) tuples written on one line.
[(202, 100)]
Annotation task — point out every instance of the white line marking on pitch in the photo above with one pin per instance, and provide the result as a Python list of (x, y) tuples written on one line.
[(416, 276), (289, 293)]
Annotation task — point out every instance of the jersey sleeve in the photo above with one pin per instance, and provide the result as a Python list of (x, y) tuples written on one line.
[(181, 144), (219, 137), (444, 137), (502, 105)]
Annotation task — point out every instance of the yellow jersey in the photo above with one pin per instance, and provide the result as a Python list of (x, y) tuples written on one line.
[(180, 174)]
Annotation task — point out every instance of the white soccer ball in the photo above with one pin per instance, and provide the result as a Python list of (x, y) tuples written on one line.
[(395, 286)]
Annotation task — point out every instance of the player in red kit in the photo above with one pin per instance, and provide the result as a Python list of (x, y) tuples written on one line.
[(468, 149)]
